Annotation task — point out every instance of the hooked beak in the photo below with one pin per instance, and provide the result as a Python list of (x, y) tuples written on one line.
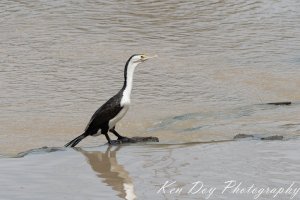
[(145, 57)]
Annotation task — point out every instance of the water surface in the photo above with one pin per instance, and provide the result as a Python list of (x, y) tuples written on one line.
[(219, 62), (139, 171)]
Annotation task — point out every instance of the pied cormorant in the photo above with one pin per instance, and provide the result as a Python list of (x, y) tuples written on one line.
[(107, 116)]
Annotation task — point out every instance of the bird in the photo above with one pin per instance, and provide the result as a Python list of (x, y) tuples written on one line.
[(106, 117)]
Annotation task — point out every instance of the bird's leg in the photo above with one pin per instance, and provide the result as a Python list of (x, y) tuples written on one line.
[(116, 134), (121, 138), (111, 142), (108, 139), (104, 132)]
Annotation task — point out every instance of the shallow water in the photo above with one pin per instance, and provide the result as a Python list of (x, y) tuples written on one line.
[(140, 171), (219, 62)]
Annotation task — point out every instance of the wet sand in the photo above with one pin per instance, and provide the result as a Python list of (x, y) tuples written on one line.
[(139, 171)]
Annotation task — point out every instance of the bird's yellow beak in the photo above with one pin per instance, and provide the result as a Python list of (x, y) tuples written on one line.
[(145, 57)]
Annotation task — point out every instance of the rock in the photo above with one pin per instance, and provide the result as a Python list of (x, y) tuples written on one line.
[(241, 136), (273, 137), (284, 103), (127, 140), (39, 150)]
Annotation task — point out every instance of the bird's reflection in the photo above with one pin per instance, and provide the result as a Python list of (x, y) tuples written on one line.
[(106, 166)]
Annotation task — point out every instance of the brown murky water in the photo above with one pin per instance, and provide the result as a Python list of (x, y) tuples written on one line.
[(219, 62)]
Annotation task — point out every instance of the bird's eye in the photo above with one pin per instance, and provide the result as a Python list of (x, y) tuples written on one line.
[(142, 57)]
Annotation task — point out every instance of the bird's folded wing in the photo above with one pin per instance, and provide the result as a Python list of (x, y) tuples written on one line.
[(106, 112)]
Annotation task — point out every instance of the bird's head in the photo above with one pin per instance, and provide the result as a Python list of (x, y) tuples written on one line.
[(131, 63), (134, 61), (139, 58)]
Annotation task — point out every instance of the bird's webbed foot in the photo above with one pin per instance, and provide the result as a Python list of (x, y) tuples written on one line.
[(126, 139), (121, 140), (114, 142)]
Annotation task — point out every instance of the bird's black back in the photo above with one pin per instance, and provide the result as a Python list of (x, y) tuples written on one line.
[(106, 112)]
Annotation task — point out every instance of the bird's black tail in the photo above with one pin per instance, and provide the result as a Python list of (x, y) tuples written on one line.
[(75, 141)]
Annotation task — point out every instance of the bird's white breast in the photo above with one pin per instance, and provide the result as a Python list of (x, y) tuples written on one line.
[(119, 116), (125, 101)]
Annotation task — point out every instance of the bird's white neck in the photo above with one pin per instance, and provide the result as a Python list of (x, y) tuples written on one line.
[(128, 75)]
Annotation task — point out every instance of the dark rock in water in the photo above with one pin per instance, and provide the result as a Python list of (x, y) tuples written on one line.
[(39, 150), (273, 137), (241, 136), (127, 140), (284, 103)]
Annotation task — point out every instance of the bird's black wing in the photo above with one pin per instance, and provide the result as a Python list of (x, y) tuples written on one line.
[(106, 112)]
